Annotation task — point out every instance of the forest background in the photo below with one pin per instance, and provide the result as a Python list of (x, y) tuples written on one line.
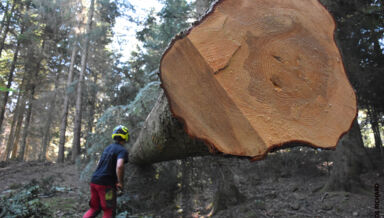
[(63, 87)]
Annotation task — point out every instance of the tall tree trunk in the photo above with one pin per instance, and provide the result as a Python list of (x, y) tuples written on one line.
[(373, 118), (47, 126), (15, 146), (84, 55), (17, 119), (226, 193), (20, 117), (378, 57), (18, 112), (9, 82), (7, 23), (63, 125), (91, 106), (28, 118), (349, 159), (10, 137), (30, 99)]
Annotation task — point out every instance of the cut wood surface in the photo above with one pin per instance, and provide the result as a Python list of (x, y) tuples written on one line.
[(256, 74)]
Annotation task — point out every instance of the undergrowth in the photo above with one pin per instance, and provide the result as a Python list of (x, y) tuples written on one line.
[(26, 202)]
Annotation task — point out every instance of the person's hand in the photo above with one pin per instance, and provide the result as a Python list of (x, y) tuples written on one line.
[(119, 187)]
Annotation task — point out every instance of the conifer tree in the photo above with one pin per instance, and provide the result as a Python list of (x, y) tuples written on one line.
[(79, 92)]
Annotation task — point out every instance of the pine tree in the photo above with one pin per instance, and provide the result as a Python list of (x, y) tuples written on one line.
[(84, 56), (64, 115)]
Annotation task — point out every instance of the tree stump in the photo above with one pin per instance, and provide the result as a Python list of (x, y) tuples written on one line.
[(257, 74)]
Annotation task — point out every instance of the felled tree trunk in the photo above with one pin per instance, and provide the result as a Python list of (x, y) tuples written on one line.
[(254, 75), (163, 138)]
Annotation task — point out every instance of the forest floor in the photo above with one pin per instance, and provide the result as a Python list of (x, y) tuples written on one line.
[(283, 185), (63, 197)]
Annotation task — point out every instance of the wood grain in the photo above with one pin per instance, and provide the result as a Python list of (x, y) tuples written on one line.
[(256, 74)]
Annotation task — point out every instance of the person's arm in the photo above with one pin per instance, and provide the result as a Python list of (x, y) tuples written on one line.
[(120, 173)]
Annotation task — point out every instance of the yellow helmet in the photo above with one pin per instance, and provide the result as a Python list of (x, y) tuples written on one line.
[(121, 131)]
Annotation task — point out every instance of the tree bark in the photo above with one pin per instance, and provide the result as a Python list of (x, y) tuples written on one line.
[(226, 193), (202, 6), (16, 122), (20, 117), (27, 119), (9, 81), (163, 138), (349, 159), (63, 125), (373, 118), (78, 116), (31, 92), (47, 126), (10, 138), (91, 106), (17, 119), (255, 75)]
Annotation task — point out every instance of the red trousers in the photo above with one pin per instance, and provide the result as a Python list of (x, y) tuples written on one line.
[(102, 198)]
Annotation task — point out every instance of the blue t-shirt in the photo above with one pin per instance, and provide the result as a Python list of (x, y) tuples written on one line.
[(105, 173)]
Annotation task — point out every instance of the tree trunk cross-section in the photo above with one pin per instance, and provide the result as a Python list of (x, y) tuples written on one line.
[(257, 74)]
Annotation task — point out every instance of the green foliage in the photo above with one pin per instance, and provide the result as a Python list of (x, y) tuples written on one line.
[(5, 89), (108, 11), (47, 31), (156, 34), (26, 202)]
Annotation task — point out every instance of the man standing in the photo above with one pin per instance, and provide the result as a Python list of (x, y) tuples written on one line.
[(109, 175)]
